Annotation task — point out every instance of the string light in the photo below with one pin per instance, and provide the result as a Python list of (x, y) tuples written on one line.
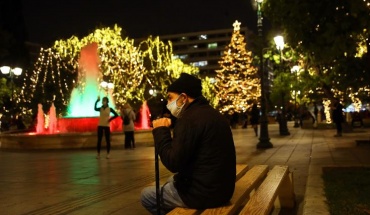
[(131, 69), (238, 84), (327, 111)]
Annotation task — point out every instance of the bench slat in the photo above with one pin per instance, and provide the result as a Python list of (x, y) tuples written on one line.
[(263, 199), (184, 211), (243, 187), (241, 169)]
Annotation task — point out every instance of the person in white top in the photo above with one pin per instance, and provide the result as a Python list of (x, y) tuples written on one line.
[(104, 124)]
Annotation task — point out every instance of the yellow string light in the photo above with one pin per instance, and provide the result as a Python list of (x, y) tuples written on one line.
[(238, 84)]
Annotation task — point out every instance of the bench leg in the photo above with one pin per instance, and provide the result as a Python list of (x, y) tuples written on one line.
[(286, 192)]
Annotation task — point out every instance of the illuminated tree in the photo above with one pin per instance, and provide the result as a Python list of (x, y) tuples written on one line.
[(333, 35), (238, 84), (5, 93), (51, 81), (133, 70), (157, 56), (161, 67), (209, 91), (176, 67), (121, 63), (124, 69)]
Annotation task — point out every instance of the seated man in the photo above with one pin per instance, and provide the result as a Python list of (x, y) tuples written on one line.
[(201, 152)]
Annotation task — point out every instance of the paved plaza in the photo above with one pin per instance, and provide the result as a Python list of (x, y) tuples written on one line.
[(74, 182)]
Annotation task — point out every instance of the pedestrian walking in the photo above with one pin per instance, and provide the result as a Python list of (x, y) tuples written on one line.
[(128, 116), (104, 124), (200, 152), (337, 113), (245, 120), (255, 118)]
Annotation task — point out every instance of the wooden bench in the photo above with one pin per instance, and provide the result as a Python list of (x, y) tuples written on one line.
[(257, 191)]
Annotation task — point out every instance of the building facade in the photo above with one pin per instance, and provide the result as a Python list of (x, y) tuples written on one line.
[(201, 49)]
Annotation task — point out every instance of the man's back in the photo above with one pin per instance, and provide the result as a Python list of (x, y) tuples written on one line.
[(202, 154)]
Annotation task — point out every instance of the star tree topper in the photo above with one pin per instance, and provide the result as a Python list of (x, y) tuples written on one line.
[(237, 25)]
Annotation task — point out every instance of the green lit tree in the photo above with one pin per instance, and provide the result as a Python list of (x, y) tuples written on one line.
[(238, 84)]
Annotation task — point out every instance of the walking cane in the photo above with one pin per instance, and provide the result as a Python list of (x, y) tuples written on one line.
[(157, 190), (157, 187)]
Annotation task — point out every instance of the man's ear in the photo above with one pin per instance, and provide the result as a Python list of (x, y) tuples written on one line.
[(186, 97)]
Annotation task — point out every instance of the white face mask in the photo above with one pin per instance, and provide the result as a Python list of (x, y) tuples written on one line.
[(174, 109)]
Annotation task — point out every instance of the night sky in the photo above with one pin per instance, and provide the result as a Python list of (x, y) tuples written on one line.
[(47, 21)]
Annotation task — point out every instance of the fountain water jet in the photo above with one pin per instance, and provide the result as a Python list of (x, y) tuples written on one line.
[(85, 96), (52, 120), (40, 120), (144, 122)]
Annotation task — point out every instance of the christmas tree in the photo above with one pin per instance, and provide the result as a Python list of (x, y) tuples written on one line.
[(238, 84)]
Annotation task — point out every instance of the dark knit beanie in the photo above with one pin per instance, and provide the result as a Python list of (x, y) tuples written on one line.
[(188, 84)]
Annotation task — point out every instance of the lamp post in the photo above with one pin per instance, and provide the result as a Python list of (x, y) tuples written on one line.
[(153, 92), (279, 41), (264, 140), (106, 86), (12, 72), (295, 69)]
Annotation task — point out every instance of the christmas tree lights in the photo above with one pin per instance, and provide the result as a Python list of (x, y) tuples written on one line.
[(238, 84)]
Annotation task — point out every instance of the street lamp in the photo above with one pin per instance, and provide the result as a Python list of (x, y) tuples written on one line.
[(106, 86), (153, 92), (264, 140), (11, 71), (295, 69), (283, 128)]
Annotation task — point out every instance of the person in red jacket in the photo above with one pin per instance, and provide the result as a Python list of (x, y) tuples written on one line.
[(200, 152)]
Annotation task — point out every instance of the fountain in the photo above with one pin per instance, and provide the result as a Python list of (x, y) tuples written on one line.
[(78, 128), (52, 120), (144, 116), (81, 115), (40, 120)]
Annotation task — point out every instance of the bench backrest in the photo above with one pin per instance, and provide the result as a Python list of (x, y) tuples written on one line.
[(243, 188), (277, 183), (259, 186), (241, 169)]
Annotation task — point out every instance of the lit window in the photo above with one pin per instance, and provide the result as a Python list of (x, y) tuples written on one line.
[(203, 37), (199, 63), (184, 56), (195, 46), (212, 45), (184, 38)]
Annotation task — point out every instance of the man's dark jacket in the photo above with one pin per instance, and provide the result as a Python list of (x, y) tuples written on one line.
[(201, 153)]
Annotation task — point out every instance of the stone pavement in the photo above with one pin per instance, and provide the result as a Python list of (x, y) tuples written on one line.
[(74, 182)]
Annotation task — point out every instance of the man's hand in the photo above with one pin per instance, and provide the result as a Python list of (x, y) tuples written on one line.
[(162, 122)]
